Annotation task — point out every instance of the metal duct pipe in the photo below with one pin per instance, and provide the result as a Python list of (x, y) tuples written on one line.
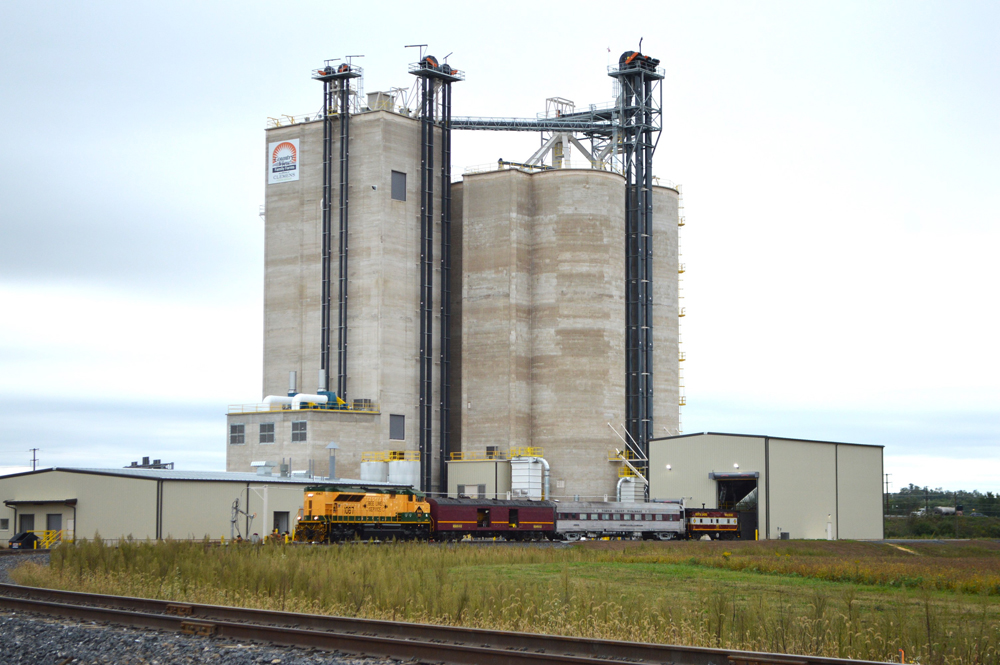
[(293, 384), (272, 400), (545, 480), (305, 397), (618, 490)]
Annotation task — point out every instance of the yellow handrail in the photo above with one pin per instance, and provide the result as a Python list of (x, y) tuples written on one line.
[(48, 537), (360, 407)]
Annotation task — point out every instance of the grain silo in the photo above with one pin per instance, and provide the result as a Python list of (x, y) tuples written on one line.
[(515, 314)]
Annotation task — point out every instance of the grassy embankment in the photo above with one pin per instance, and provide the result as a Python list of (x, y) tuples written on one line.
[(940, 603), (942, 526)]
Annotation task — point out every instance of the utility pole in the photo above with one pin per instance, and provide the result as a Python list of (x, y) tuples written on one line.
[(887, 493), (34, 458)]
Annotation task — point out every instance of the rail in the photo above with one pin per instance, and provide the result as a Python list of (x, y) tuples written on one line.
[(419, 642), (360, 406)]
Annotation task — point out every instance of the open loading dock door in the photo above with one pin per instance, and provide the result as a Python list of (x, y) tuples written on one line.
[(738, 491)]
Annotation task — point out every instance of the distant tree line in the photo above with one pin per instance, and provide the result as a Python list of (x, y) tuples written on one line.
[(912, 498)]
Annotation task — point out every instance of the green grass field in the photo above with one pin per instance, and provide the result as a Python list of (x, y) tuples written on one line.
[(940, 603)]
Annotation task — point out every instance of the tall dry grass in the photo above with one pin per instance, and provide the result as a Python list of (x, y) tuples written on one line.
[(635, 593)]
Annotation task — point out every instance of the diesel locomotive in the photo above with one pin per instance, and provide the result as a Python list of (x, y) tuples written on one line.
[(333, 513)]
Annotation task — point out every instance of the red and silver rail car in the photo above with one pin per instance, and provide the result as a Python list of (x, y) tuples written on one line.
[(716, 524), (452, 519)]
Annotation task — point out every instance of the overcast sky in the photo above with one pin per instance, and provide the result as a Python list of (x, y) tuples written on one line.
[(839, 164)]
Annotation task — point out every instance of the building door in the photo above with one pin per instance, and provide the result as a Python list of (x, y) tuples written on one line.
[(27, 523), (53, 522), (281, 521)]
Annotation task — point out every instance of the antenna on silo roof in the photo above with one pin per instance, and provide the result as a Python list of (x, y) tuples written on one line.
[(419, 46)]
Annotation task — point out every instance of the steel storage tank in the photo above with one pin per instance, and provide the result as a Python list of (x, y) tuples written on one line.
[(374, 470), (404, 468)]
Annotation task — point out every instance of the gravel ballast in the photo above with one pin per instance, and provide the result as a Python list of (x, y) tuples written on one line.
[(36, 640), (10, 561)]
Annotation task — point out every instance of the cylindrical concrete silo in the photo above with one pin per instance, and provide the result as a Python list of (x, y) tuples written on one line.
[(577, 326)]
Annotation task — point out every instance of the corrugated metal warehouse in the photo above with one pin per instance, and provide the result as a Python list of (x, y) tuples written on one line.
[(805, 489), (146, 503)]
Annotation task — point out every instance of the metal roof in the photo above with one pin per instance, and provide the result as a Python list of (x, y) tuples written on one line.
[(217, 476), (765, 436)]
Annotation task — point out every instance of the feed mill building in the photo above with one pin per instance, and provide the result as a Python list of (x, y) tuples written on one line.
[(417, 329)]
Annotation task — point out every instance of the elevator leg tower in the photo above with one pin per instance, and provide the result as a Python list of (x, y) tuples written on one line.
[(639, 107), (435, 116), (336, 107)]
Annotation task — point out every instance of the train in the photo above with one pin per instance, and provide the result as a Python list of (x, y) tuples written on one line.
[(335, 513)]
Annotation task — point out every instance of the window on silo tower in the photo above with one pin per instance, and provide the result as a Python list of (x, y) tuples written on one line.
[(397, 427), (237, 433), (298, 431), (398, 186)]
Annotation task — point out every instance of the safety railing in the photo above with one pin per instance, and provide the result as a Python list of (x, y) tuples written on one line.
[(358, 406), (285, 120), (527, 452), (478, 456), (391, 456), (615, 456), (48, 538)]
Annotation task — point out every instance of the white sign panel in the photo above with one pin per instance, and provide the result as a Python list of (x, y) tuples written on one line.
[(283, 161)]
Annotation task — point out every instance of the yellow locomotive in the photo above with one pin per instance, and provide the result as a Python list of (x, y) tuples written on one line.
[(337, 512)]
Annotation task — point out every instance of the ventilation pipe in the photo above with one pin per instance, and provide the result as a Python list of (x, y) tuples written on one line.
[(308, 399), (322, 380), (618, 490), (274, 400), (293, 385), (545, 480)]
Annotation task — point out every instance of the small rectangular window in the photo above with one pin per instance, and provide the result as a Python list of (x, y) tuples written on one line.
[(267, 433), (237, 433), (605, 516), (397, 427), (593, 516), (298, 431), (5, 524), (398, 186)]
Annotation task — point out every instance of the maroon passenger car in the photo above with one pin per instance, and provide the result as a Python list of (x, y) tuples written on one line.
[(451, 519)]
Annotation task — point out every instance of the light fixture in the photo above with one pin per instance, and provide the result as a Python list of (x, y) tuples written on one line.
[(668, 467), (736, 466)]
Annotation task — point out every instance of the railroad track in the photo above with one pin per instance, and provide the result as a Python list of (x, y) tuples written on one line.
[(419, 642)]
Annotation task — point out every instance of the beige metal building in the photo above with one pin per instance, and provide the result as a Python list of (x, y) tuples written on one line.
[(805, 489), (146, 503)]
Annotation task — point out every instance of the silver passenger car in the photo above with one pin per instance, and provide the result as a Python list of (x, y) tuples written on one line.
[(598, 519)]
